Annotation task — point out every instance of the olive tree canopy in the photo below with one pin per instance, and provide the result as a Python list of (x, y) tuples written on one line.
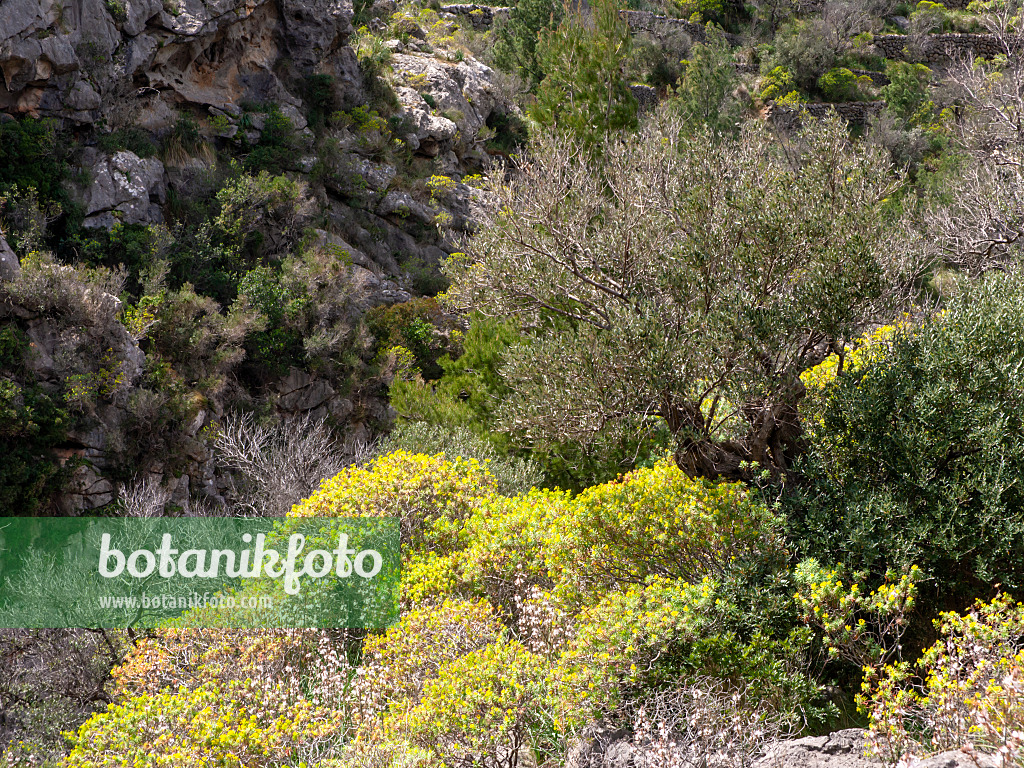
[(683, 281)]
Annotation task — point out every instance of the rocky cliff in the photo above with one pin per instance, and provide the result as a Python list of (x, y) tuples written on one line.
[(375, 146)]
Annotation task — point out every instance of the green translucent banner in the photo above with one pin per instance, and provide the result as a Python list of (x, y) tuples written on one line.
[(199, 572)]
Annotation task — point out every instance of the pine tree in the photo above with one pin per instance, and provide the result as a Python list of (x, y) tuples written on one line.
[(585, 92), (515, 47)]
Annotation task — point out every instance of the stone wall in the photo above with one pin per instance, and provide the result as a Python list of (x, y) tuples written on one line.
[(853, 112), (937, 49), (664, 26)]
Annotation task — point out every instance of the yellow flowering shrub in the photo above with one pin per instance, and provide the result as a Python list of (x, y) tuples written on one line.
[(870, 348), (172, 658), (618, 639), (864, 627), (968, 695), (431, 495), (398, 663), (204, 726), (220, 697), (652, 522), (524, 618), (483, 707), (658, 522), (508, 542), (665, 632)]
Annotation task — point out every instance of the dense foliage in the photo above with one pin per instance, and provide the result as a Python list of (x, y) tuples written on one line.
[(708, 429)]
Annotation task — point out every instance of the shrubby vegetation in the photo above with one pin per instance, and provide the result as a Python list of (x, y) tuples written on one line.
[(654, 327), (711, 432)]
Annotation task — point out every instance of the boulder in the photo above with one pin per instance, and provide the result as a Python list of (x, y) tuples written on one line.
[(10, 268), (124, 187)]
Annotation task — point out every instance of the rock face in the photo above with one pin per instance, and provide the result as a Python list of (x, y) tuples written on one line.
[(86, 59), (845, 749), (97, 66), (601, 747), (842, 749), (480, 16)]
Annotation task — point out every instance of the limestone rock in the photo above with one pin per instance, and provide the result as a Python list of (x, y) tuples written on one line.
[(462, 98), (403, 205), (10, 268), (124, 187), (344, 250), (600, 746), (369, 290), (479, 16), (300, 392), (79, 61), (842, 749), (87, 490)]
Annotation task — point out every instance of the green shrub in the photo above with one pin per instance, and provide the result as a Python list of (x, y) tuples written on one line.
[(930, 17), (583, 93), (134, 140), (917, 451), (13, 346), (256, 216), (278, 147), (32, 424), (470, 388), (665, 633), (777, 84), (411, 325), (515, 44), (277, 347), (513, 474), (705, 94), (807, 50), (321, 98), (906, 95), (510, 132), (33, 155), (725, 13), (135, 247), (839, 84)]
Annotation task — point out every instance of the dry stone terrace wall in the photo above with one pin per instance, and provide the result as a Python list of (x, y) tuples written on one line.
[(853, 112), (940, 48), (663, 26)]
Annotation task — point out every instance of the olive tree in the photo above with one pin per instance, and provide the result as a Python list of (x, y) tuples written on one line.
[(681, 281)]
